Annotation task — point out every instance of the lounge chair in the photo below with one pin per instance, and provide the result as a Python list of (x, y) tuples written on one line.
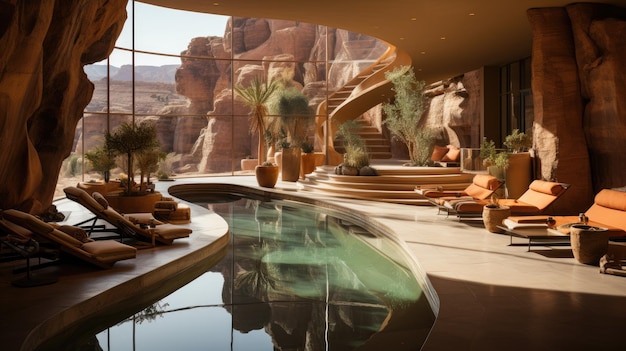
[(142, 225), (482, 187), (535, 200), (20, 240), (71, 240), (607, 211)]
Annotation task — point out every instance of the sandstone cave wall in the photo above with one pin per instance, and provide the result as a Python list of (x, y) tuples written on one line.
[(579, 80), (43, 88)]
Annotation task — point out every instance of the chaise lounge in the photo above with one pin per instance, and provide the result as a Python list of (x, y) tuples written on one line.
[(535, 200), (482, 187), (71, 240), (142, 225)]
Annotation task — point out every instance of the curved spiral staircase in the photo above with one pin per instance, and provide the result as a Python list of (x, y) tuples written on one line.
[(394, 182)]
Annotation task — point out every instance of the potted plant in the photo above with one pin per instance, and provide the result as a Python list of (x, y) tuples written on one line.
[(296, 118), (101, 160), (517, 141), (403, 115), (148, 162), (519, 171), (496, 161), (131, 141), (257, 96), (355, 157), (307, 164)]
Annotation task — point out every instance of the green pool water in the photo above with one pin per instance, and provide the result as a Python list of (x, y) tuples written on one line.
[(294, 278)]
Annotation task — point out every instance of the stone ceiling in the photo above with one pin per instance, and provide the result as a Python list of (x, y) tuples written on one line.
[(477, 32)]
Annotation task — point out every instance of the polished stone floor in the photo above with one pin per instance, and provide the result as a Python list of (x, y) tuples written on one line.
[(492, 295)]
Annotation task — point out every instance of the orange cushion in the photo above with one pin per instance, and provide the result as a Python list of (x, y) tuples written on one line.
[(452, 155), (486, 181), (611, 199), (439, 152), (542, 186)]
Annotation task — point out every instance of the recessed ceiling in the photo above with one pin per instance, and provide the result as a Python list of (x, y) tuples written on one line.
[(445, 38)]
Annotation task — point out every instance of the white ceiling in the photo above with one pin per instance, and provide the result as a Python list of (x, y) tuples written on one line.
[(498, 32)]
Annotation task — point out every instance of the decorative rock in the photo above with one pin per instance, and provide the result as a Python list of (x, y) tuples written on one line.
[(367, 171)]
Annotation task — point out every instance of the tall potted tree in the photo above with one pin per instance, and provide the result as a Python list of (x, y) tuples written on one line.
[(403, 114), (131, 140), (257, 96), (296, 119)]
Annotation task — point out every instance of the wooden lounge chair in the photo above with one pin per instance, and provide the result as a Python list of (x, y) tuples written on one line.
[(102, 253), (482, 187), (535, 200), (142, 225)]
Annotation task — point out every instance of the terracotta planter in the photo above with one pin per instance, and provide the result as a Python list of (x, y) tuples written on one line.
[(518, 174), (266, 176), (493, 217), (307, 164), (133, 203), (589, 243), (291, 164)]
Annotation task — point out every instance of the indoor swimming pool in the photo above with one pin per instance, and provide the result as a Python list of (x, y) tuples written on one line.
[(295, 277)]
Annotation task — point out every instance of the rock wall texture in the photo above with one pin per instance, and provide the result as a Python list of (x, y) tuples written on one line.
[(43, 88), (578, 73)]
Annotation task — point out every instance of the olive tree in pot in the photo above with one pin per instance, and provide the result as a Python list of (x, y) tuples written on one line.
[(130, 141), (257, 96), (296, 120), (403, 115)]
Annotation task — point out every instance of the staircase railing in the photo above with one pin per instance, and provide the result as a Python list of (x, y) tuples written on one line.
[(368, 89)]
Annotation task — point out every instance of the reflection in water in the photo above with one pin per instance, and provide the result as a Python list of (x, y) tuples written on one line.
[(294, 279)]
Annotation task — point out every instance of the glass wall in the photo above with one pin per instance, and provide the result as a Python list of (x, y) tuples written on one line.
[(177, 69), (516, 101)]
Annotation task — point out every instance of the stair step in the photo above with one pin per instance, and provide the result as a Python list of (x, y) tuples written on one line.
[(394, 184)]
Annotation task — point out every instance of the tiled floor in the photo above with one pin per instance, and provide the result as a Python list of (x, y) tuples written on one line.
[(492, 296)]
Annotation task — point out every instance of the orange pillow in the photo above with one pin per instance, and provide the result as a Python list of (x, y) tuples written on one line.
[(452, 155), (542, 186), (486, 181), (439, 152), (611, 199)]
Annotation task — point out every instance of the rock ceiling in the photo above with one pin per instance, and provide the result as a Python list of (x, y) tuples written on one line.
[(477, 32)]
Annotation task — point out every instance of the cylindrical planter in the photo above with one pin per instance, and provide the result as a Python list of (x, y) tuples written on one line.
[(307, 164), (291, 164), (266, 176), (589, 243), (518, 174), (493, 217)]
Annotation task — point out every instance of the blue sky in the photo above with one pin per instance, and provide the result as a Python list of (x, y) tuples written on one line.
[(164, 30)]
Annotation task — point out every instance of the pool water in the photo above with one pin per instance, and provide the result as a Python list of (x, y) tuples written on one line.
[(294, 278)]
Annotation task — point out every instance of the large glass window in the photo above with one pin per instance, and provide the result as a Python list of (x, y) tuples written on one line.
[(178, 68), (516, 104)]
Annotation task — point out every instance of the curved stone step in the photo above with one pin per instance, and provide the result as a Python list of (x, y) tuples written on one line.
[(394, 183)]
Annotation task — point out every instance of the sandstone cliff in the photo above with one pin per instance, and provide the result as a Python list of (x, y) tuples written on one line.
[(44, 90)]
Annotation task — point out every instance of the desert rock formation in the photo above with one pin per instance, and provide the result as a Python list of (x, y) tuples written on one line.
[(578, 84), (44, 90)]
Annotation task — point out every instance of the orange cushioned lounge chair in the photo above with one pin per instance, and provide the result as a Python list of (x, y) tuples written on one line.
[(535, 200), (72, 240), (133, 224), (607, 211), (482, 187)]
